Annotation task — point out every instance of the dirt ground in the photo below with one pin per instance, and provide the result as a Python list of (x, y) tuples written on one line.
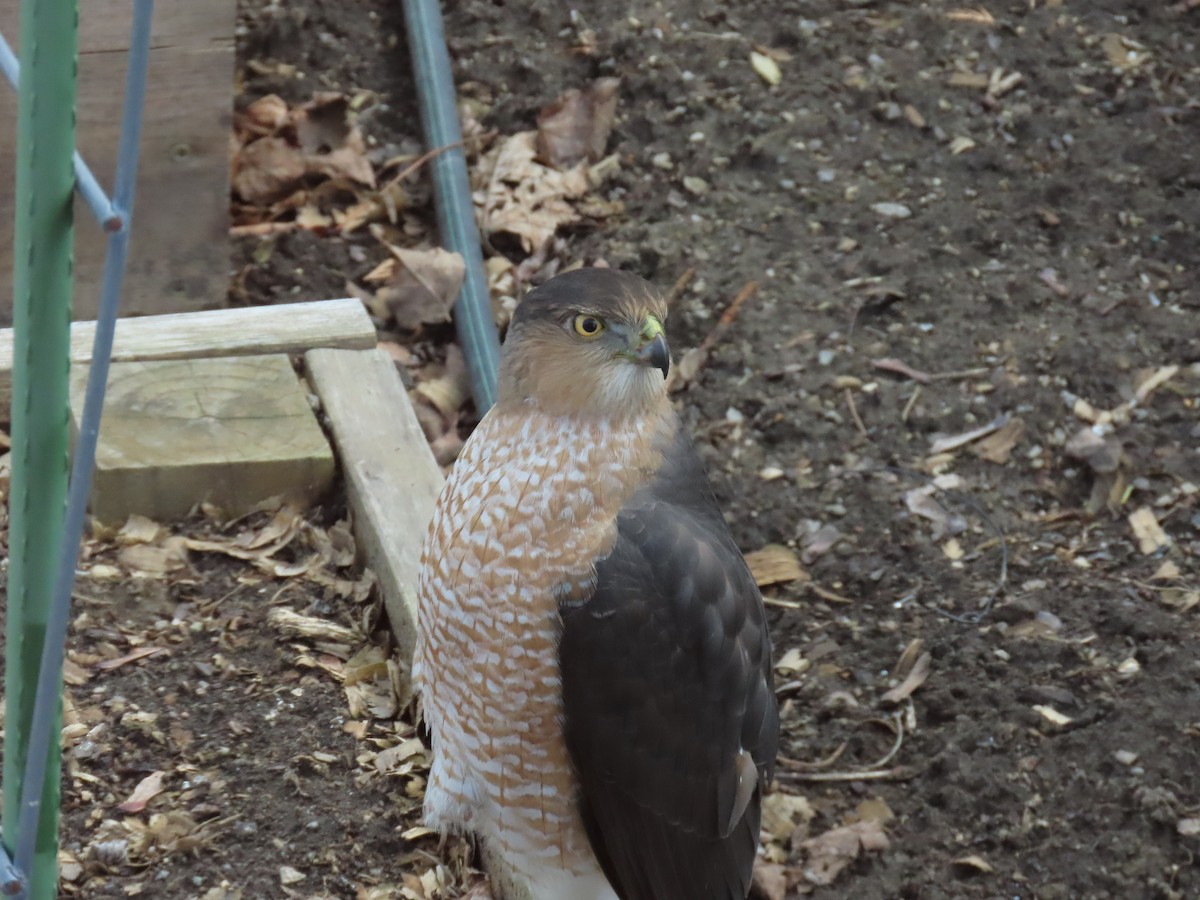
[(956, 219)]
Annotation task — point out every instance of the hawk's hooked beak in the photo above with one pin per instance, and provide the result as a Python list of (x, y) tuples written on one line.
[(651, 348)]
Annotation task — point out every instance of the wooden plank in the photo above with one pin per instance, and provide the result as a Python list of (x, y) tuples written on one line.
[(290, 328), (179, 248), (392, 479), (232, 432)]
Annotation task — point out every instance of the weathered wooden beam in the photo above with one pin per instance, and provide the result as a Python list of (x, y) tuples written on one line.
[(290, 328), (179, 249), (392, 479), (231, 431)]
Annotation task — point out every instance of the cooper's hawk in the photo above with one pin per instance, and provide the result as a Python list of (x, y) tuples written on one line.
[(593, 656)]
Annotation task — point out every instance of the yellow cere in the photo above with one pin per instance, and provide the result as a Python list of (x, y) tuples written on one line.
[(651, 328)]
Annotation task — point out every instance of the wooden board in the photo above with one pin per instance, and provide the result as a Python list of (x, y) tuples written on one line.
[(290, 328), (179, 247), (232, 432), (392, 479)]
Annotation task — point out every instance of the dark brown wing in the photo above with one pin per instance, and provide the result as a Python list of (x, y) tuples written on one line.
[(666, 678)]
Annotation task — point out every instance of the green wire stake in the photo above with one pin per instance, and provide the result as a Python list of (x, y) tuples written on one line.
[(40, 427)]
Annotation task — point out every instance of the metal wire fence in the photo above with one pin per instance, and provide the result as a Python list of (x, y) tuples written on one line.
[(27, 864)]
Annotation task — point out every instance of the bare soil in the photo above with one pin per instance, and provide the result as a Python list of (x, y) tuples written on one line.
[(1028, 246)]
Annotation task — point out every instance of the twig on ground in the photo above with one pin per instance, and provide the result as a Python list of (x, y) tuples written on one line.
[(960, 374), (899, 773), (899, 367), (797, 765), (912, 401), (728, 317), (858, 422), (679, 287), (263, 229)]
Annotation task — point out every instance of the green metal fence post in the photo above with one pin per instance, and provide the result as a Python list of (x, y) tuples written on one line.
[(40, 429)]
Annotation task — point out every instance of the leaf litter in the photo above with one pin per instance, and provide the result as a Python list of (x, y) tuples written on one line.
[(171, 796)]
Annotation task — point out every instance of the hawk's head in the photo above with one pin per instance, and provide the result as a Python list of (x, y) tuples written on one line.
[(588, 342)]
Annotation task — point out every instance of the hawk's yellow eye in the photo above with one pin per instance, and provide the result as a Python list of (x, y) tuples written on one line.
[(588, 326)]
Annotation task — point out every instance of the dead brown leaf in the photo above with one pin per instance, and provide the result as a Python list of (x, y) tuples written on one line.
[(1124, 53), (914, 679), (267, 170), (973, 865), (147, 789), (264, 116), (149, 561), (139, 530), (998, 446), (294, 624), (423, 286), (775, 564), (831, 852), (1150, 535), (946, 443), (1101, 453), (922, 501), (332, 144), (783, 813), (140, 653), (575, 127), (525, 198), (770, 880)]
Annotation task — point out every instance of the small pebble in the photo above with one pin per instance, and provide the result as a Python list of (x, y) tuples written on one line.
[(1125, 757), (892, 210)]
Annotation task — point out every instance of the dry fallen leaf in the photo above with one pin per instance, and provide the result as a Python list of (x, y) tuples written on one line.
[(998, 446), (792, 662), (148, 561), (1150, 535), (1123, 53), (139, 530), (973, 864), (1101, 453), (332, 144), (915, 678), (775, 564), (953, 550), (264, 116), (575, 127), (267, 170), (946, 443), (525, 198), (293, 624), (147, 789), (770, 880), (423, 286), (923, 502), (831, 852), (875, 809), (782, 813), (140, 653)]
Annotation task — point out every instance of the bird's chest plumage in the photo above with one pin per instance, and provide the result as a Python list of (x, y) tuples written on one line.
[(529, 508)]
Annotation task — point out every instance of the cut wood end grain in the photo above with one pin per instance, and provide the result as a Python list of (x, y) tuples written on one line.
[(232, 432)]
